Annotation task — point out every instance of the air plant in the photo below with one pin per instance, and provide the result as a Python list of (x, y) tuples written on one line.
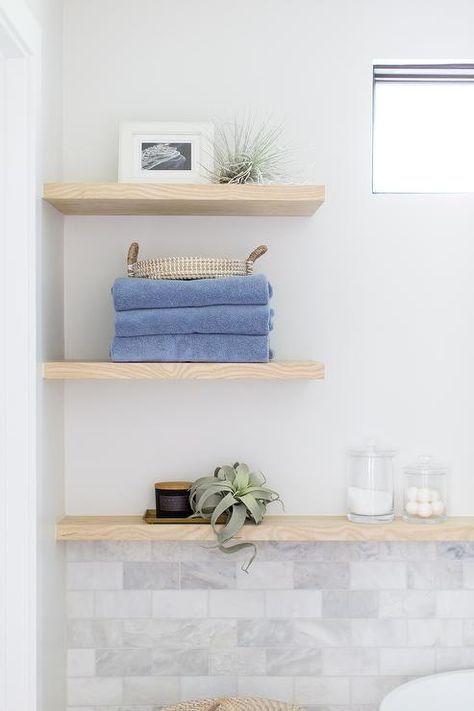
[(236, 493), (244, 153)]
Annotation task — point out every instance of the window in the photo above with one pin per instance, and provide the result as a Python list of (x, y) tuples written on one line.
[(423, 131)]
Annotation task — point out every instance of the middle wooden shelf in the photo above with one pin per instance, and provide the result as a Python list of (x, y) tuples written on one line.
[(273, 528), (274, 370)]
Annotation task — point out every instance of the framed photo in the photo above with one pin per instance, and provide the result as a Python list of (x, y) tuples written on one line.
[(165, 152)]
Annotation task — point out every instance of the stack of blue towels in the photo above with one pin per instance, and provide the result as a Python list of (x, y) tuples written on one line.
[(205, 320)]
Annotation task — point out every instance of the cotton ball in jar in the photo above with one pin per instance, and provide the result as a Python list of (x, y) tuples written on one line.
[(411, 507), (437, 507), (423, 496), (424, 510), (412, 493), (435, 496)]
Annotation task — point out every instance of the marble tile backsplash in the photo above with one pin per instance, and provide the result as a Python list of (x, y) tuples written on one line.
[(329, 626)]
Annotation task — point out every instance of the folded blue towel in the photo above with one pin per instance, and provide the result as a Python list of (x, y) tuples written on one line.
[(162, 293), (249, 320), (191, 348)]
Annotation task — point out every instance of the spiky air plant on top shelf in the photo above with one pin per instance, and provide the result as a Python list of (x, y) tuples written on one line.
[(244, 153), (237, 493)]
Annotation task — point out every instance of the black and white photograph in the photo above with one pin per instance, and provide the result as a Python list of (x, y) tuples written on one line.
[(166, 152), (166, 156)]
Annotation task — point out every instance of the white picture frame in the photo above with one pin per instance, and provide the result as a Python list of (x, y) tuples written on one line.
[(171, 152)]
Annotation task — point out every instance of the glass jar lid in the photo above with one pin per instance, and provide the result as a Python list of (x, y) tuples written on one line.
[(371, 450), (426, 465)]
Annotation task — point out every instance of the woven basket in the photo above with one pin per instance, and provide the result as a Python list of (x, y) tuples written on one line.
[(232, 703), (190, 267)]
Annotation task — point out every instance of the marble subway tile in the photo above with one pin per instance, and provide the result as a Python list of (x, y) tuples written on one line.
[(159, 690), (94, 633), (468, 632), (264, 633), (456, 550), (293, 603), (81, 662), (123, 604), (123, 550), (241, 661), (350, 603), (150, 576), (80, 550), (435, 633), (454, 658), (94, 575), (79, 604), (123, 662), (236, 603), (211, 575), (90, 691), (407, 662), (350, 662), (468, 573), (369, 575), (322, 690), (192, 551), (166, 551), (273, 687), (372, 689), (455, 603), (407, 551), (322, 576), (321, 551), (179, 633), (322, 633), (180, 603), (288, 551), (441, 575), (266, 575), (195, 687), (407, 603), (293, 661), (379, 633), (180, 662)]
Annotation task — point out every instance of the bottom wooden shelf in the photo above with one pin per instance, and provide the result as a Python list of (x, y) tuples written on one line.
[(275, 370), (273, 528)]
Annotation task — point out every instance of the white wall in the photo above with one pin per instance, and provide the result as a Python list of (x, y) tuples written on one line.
[(51, 613), (378, 287)]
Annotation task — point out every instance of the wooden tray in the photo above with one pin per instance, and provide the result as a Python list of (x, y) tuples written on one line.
[(150, 517)]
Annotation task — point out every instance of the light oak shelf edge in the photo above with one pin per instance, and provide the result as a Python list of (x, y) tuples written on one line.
[(274, 370), (184, 199), (273, 528)]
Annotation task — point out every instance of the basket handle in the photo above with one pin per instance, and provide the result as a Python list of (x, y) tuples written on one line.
[(257, 252), (132, 257)]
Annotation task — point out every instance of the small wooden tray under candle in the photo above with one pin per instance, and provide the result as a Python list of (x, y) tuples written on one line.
[(150, 517)]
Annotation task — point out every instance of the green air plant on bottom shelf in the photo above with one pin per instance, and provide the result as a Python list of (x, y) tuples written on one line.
[(239, 494)]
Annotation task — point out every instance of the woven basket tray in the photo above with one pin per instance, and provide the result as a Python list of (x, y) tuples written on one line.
[(190, 267), (230, 703)]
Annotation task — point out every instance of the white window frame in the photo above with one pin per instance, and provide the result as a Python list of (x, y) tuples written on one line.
[(416, 70), (19, 372)]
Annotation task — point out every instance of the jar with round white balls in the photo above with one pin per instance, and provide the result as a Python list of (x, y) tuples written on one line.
[(425, 491)]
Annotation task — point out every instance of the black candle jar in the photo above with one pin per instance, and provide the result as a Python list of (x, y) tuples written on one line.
[(172, 499)]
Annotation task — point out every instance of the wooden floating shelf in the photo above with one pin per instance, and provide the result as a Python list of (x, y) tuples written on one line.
[(184, 199), (275, 370), (273, 528)]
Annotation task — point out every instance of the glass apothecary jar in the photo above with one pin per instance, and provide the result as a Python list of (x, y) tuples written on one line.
[(425, 491), (370, 485)]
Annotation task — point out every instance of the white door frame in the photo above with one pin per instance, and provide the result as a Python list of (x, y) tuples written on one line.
[(19, 186)]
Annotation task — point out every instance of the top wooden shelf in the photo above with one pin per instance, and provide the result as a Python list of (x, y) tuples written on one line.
[(273, 528), (183, 199)]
